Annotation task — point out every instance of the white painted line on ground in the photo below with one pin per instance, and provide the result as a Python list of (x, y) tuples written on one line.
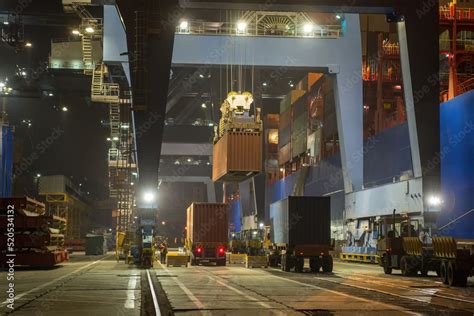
[(251, 298), (393, 307), (190, 294), (153, 294), (374, 280), (132, 284), (17, 297)]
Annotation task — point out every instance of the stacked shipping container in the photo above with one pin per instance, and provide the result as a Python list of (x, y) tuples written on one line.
[(286, 126), (297, 109)]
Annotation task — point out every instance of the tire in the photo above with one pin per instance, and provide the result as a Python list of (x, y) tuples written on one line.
[(285, 265), (444, 271), (403, 265), (387, 269), (272, 261), (408, 266), (452, 273), (299, 265), (193, 262), (327, 264), (315, 264)]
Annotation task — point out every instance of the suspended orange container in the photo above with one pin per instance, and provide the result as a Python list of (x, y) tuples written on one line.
[(237, 156)]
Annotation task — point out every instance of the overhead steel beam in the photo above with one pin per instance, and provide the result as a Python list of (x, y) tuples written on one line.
[(343, 6), (189, 149), (157, 53), (211, 189), (50, 20)]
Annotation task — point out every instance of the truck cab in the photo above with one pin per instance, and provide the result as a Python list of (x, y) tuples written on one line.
[(390, 248)]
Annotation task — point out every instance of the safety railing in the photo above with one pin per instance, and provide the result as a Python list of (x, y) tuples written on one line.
[(461, 44), (460, 14), (391, 49), (254, 29)]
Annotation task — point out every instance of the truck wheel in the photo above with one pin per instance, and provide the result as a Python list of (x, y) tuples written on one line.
[(285, 266), (452, 273), (455, 276), (315, 264), (299, 265), (327, 264), (193, 262), (444, 271), (387, 269), (274, 261)]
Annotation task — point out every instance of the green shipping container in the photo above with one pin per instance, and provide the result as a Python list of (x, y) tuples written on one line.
[(285, 119), (290, 98), (285, 104), (284, 136), (299, 135)]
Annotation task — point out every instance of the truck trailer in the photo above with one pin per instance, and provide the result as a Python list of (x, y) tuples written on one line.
[(207, 233), (300, 229)]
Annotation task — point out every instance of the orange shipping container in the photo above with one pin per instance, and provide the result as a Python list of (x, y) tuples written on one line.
[(207, 223), (237, 156), (313, 78), (296, 94)]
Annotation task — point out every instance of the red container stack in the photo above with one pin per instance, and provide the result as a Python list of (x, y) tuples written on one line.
[(29, 237)]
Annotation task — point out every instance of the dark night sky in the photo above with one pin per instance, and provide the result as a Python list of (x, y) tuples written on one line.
[(81, 150)]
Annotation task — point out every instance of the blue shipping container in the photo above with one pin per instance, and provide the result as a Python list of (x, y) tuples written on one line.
[(457, 165), (6, 168)]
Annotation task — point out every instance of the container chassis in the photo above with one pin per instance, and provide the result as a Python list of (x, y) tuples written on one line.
[(293, 258)]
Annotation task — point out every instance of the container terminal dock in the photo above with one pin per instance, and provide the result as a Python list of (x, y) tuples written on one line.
[(247, 157)]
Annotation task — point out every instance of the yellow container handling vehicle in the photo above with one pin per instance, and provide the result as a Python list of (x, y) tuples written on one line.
[(143, 251)]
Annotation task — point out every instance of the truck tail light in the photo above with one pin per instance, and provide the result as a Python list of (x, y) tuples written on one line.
[(221, 250), (199, 250), (389, 250)]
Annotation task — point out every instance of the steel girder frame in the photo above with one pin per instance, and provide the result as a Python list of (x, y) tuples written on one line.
[(68, 207), (422, 45)]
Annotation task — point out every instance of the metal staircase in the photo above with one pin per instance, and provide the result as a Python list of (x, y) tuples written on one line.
[(114, 115), (90, 29), (87, 54), (81, 11), (121, 159), (103, 91)]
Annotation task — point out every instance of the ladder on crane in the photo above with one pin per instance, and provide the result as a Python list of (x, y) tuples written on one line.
[(87, 58)]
